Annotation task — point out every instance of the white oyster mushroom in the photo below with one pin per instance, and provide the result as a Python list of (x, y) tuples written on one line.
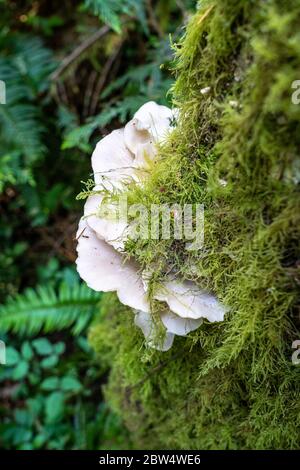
[(112, 162), (150, 124), (188, 306), (104, 269), (102, 217), (178, 325), (113, 165), (119, 158), (174, 325), (144, 321), (189, 302)]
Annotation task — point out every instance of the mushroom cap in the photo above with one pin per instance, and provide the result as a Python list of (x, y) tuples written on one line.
[(103, 269), (174, 325), (178, 325), (144, 321), (103, 218), (188, 301), (112, 162), (150, 124), (113, 165)]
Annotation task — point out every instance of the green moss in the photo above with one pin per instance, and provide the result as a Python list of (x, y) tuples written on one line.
[(233, 384)]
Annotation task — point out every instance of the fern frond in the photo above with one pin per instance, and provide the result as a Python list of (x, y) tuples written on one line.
[(80, 136), (45, 309), (20, 125), (111, 12), (25, 65), (34, 63)]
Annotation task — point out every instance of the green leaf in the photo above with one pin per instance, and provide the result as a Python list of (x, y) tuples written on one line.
[(35, 405), (33, 378), (51, 383), (27, 445), (70, 384), (23, 417), (49, 362), (40, 440), (84, 344), (12, 356), (54, 407), (59, 348), (26, 351), (21, 435), (80, 136), (42, 346), (20, 371)]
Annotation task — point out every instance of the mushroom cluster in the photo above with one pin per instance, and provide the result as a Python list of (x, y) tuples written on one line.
[(116, 160)]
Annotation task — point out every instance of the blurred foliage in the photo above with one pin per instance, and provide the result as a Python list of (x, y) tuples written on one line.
[(111, 12), (51, 390), (49, 395), (73, 71)]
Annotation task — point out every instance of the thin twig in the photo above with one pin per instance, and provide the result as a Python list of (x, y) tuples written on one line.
[(69, 59), (80, 235), (61, 92), (89, 92), (102, 79), (153, 20)]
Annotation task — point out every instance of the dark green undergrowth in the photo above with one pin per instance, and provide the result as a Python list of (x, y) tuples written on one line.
[(230, 385), (72, 71)]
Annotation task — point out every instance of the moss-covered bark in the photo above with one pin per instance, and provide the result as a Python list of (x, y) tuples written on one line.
[(236, 150)]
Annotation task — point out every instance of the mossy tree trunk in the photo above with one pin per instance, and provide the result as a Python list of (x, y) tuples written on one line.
[(236, 150)]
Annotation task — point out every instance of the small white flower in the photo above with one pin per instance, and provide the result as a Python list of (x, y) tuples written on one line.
[(116, 161)]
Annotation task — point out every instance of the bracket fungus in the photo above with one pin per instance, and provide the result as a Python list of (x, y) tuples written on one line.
[(101, 239)]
